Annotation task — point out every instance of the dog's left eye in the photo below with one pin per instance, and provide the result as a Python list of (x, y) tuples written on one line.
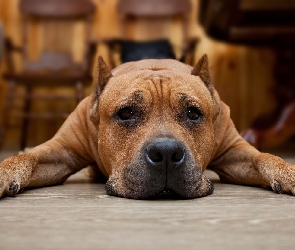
[(126, 114), (193, 113)]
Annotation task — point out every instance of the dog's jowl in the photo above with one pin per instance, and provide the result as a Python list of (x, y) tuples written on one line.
[(151, 127)]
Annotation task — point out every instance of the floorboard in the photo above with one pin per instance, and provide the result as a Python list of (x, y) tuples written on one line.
[(79, 215)]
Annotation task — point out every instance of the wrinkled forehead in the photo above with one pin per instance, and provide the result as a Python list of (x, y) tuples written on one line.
[(166, 73), (152, 82), (154, 65)]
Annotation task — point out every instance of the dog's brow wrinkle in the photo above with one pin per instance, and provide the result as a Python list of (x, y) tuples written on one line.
[(138, 96), (158, 68)]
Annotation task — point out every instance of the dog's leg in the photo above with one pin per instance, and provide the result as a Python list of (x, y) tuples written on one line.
[(243, 164), (50, 163), (43, 166)]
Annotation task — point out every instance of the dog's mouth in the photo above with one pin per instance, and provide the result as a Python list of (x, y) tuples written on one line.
[(166, 194)]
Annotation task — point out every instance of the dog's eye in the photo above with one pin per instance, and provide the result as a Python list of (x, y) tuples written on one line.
[(193, 113), (126, 114)]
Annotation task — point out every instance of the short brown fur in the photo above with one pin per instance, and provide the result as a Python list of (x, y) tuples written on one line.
[(162, 90)]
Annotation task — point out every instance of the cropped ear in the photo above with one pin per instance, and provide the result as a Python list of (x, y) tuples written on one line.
[(202, 70), (102, 76)]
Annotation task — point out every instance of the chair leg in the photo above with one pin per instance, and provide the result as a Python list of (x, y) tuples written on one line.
[(26, 120), (79, 92), (280, 132), (6, 112)]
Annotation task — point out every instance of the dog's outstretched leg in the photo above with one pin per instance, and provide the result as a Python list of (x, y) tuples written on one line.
[(243, 164), (50, 163)]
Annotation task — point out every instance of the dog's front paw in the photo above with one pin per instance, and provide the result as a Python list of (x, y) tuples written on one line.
[(284, 182), (281, 187), (15, 174), (8, 187), (277, 173)]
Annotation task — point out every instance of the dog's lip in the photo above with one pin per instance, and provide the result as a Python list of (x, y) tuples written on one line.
[(166, 193)]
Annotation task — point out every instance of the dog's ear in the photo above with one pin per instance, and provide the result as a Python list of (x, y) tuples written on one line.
[(102, 76), (202, 70)]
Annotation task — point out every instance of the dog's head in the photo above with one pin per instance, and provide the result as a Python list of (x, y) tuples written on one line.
[(155, 123)]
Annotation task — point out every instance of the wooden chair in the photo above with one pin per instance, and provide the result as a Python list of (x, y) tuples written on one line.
[(1, 41), (55, 65), (154, 12), (261, 23)]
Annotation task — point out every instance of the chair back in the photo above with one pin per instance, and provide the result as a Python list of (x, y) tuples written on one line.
[(54, 31), (154, 9)]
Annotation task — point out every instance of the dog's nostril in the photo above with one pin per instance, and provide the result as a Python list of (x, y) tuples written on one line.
[(155, 156), (177, 157)]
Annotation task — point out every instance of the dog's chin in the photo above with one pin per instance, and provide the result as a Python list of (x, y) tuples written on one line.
[(166, 194), (172, 194)]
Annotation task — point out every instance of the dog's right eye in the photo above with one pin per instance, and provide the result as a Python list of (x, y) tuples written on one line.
[(193, 113), (126, 114)]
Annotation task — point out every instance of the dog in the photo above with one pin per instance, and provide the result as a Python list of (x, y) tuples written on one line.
[(151, 127)]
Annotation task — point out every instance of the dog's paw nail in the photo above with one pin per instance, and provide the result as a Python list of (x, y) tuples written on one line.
[(276, 187), (14, 188)]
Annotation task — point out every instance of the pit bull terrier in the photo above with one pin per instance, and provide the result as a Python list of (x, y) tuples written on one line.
[(151, 127)]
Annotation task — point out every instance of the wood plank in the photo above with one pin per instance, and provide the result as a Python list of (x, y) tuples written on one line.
[(250, 5), (79, 215)]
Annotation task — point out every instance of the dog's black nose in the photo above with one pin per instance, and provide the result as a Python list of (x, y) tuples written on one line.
[(165, 152)]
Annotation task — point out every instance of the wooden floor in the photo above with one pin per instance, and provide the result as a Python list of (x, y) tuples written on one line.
[(79, 215)]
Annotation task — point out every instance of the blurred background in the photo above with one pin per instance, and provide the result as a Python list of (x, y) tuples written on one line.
[(47, 49)]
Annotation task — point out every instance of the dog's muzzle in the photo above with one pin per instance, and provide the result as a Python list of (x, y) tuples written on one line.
[(164, 167)]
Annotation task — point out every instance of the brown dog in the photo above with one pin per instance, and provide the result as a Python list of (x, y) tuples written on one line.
[(151, 126)]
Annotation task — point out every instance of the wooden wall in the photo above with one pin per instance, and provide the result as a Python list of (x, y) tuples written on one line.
[(243, 76)]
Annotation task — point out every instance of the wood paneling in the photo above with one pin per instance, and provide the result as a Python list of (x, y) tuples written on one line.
[(242, 75)]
